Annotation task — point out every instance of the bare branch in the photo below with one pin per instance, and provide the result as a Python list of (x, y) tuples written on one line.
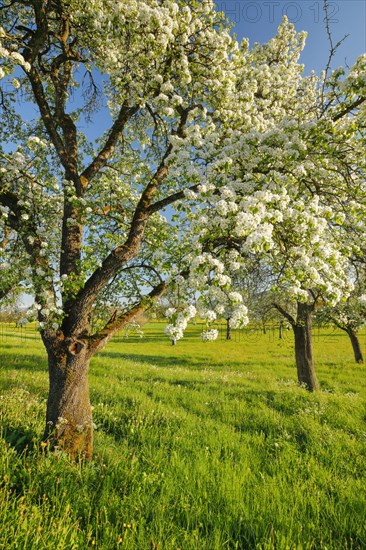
[(332, 50)]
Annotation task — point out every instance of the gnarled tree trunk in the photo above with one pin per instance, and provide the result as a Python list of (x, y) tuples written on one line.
[(355, 345), (304, 347), (69, 425)]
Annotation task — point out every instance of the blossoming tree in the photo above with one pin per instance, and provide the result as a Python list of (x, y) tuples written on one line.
[(349, 316), (86, 206), (233, 138), (288, 182)]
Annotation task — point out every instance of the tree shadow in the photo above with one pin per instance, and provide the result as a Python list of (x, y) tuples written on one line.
[(158, 360)]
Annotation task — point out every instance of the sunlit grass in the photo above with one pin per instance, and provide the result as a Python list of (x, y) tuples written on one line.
[(198, 446)]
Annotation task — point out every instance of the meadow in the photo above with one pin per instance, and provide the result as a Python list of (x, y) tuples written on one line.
[(199, 446)]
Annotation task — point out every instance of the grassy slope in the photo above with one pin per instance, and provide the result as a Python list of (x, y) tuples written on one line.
[(198, 446)]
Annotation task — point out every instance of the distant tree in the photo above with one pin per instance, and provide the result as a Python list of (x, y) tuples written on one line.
[(255, 284), (349, 316), (11, 313)]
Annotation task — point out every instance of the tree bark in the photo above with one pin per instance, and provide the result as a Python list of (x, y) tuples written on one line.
[(280, 330), (355, 345), (304, 347), (69, 425), (228, 329)]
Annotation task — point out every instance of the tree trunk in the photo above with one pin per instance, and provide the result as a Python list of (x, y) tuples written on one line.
[(69, 425), (304, 347), (228, 329), (280, 330), (355, 345)]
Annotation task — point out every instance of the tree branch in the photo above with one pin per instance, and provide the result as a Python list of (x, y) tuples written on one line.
[(170, 200), (350, 108), (99, 340), (116, 130), (48, 121), (285, 314), (78, 308)]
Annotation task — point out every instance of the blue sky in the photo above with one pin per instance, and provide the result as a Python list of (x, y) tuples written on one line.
[(259, 19)]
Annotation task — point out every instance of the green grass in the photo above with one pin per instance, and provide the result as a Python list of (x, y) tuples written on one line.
[(199, 446)]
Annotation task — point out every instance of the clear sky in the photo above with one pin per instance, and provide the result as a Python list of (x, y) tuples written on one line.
[(259, 19)]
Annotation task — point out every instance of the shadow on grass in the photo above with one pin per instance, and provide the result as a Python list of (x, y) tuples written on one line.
[(170, 361), (158, 360), (6, 346), (21, 439), (23, 362)]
